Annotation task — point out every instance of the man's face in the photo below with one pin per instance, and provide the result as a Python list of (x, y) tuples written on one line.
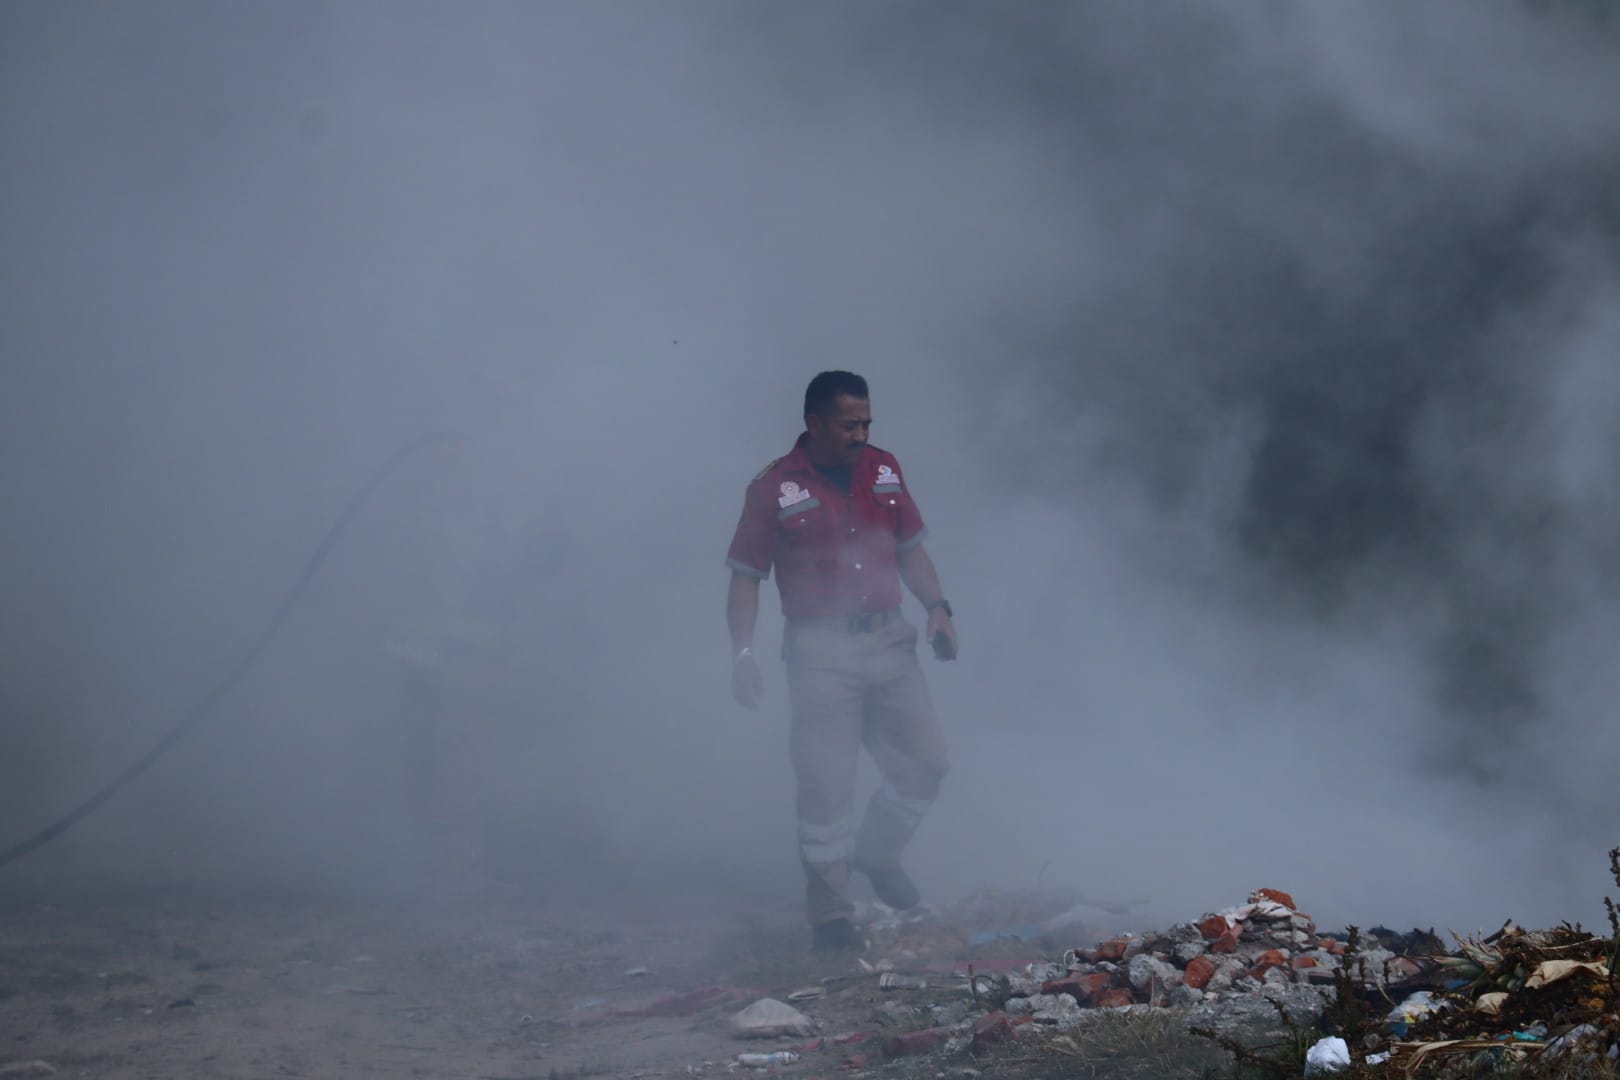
[(838, 437)]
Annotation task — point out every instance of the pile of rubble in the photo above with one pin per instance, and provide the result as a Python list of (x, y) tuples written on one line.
[(1264, 943), (1391, 1002), (1224, 966)]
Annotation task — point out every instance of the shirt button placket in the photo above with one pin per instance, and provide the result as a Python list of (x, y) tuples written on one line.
[(851, 505)]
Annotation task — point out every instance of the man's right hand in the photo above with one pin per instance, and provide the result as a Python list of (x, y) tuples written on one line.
[(747, 681)]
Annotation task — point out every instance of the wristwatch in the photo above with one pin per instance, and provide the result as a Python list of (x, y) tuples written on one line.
[(946, 604)]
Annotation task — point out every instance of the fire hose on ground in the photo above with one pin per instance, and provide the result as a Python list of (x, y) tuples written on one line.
[(210, 702)]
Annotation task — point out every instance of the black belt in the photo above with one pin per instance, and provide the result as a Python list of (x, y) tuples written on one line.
[(864, 623)]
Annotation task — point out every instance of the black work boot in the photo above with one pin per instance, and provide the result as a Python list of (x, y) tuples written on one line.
[(836, 935), (892, 884)]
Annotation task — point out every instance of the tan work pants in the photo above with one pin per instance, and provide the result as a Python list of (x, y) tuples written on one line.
[(847, 689)]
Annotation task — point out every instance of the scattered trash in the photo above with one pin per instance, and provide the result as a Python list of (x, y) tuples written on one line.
[(809, 993), (1506, 1000), (1552, 971), (768, 1018), (1567, 1042), (765, 1061), (1413, 1009), (891, 981), (1328, 1055)]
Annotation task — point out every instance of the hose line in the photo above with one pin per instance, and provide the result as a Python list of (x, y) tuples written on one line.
[(206, 707)]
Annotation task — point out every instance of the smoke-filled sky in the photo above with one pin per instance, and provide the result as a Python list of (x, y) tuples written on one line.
[(1254, 365)]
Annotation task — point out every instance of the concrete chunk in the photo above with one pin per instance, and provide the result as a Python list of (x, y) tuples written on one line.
[(768, 1018)]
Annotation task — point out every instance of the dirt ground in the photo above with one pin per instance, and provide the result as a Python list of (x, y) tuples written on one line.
[(507, 989)]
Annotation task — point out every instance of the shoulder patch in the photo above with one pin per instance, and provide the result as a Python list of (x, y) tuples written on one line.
[(766, 470)]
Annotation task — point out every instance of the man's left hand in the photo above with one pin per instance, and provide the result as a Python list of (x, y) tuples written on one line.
[(942, 634)]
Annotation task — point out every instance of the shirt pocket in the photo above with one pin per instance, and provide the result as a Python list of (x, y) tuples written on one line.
[(800, 520), (888, 497)]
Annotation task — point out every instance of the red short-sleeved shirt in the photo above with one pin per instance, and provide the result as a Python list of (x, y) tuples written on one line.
[(835, 554)]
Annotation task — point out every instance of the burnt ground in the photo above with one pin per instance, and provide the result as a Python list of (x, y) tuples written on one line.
[(509, 989)]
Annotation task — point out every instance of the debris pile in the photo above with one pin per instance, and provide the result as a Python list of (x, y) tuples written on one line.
[(1513, 997), (1263, 944), (1379, 1002), (1388, 1000), (929, 1001)]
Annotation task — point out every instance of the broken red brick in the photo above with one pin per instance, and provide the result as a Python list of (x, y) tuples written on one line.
[(1276, 895), (1113, 950), (1083, 987), (1199, 972), (1227, 942), (1299, 962), (1213, 927), (1118, 996), (1270, 958), (991, 1028), (852, 1037), (850, 1064), (912, 1043)]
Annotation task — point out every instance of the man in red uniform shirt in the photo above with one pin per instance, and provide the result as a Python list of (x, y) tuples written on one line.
[(836, 521)]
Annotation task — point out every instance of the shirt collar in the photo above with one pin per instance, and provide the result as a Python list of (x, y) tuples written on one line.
[(798, 459)]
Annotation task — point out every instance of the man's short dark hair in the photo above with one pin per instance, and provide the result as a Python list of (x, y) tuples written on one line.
[(823, 392)]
